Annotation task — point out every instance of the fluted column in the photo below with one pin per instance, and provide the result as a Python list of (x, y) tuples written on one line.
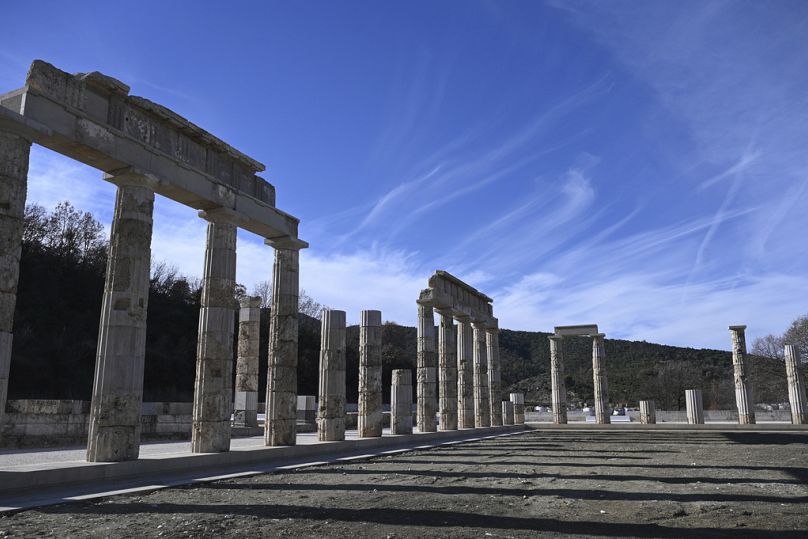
[(796, 387), (602, 416), (447, 371), (647, 412), (245, 405), (14, 152), (114, 427), (518, 402), (559, 389), (695, 409), (369, 421), (427, 363), (482, 407), (507, 413), (331, 410), (494, 376), (465, 373), (281, 398), (401, 402), (214, 353), (743, 388)]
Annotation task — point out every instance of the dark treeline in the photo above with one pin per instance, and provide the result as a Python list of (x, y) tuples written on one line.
[(59, 302)]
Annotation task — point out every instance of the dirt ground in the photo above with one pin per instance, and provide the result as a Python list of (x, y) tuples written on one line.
[(615, 483)]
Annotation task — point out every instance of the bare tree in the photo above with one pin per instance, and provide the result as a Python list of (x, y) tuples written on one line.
[(768, 346), (263, 290), (797, 334), (309, 306)]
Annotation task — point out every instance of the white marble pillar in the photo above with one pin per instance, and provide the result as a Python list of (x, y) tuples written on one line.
[(14, 152), (369, 421), (331, 410), (114, 427), (281, 398), (558, 387), (465, 373), (602, 414), (482, 408), (647, 412), (518, 402), (427, 370), (507, 413), (743, 388), (401, 402), (245, 403), (494, 375), (447, 371), (796, 387), (695, 409)]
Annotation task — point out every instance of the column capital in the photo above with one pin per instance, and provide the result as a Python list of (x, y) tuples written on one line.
[(479, 325), (286, 242), (131, 176), (445, 312), (221, 215), (557, 338), (598, 336), (462, 318), (737, 328)]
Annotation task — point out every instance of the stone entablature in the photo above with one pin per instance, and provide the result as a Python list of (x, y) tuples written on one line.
[(448, 292)]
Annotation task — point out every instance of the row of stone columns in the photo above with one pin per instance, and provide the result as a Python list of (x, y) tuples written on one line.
[(558, 387)]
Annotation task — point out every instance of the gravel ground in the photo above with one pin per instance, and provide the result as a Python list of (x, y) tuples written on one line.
[(583, 483)]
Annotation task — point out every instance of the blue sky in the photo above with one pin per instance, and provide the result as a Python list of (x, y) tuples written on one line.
[(643, 165)]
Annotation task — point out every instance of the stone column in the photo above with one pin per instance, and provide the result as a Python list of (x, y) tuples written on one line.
[(465, 373), (447, 370), (796, 388), (647, 412), (743, 389), (214, 352), (114, 427), (426, 392), (559, 390), (482, 408), (599, 374), (245, 409), (401, 402), (507, 413), (518, 402), (281, 408), (369, 421), (331, 410), (494, 377), (14, 153), (695, 409)]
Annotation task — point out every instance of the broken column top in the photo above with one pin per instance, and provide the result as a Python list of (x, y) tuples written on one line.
[(737, 328)]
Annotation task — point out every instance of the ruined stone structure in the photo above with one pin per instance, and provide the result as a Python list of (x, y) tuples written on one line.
[(647, 413), (602, 415), (518, 402), (475, 357), (401, 402), (245, 403), (743, 390), (507, 413), (559, 390), (796, 386), (695, 408), (370, 374), (331, 410), (146, 149)]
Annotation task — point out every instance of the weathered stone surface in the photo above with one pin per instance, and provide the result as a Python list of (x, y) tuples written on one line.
[(647, 412), (370, 374), (494, 376), (507, 413), (579, 330), (602, 412), (114, 432), (447, 371), (401, 402), (695, 409), (518, 402), (482, 407), (427, 370), (465, 373), (331, 411), (281, 399), (245, 405), (448, 292), (796, 386), (14, 153), (743, 388), (559, 389)]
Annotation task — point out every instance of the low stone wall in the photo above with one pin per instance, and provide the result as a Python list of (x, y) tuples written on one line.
[(670, 416)]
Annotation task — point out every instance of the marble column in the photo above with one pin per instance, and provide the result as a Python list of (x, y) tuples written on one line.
[(482, 408), (14, 152), (369, 421), (559, 390), (401, 402), (331, 409), (114, 426), (281, 398), (447, 371), (507, 413), (465, 373), (245, 407), (602, 416), (214, 352), (494, 376), (518, 402), (695, 409), (796, 387), (427, 371), (647, 412), (743, 388)]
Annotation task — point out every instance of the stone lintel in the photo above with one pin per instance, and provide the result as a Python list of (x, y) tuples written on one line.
[(583, 330), (221, 215), (737, 328)]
